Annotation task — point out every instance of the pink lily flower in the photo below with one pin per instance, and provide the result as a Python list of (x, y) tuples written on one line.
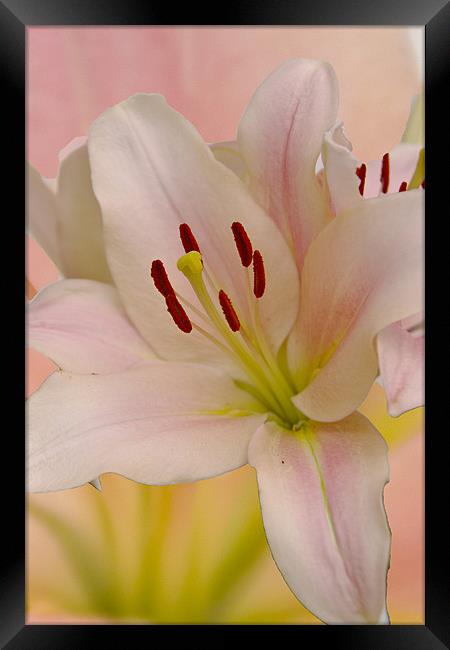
[(286, 280), (400, 346)]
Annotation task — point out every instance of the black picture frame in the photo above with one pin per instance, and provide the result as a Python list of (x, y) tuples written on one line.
[(15, 17)]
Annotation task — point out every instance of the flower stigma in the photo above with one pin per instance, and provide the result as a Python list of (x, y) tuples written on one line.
[(268, 381)]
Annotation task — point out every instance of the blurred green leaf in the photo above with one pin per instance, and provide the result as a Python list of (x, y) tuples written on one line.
[(154, 518), (86, 561), (245, 547)]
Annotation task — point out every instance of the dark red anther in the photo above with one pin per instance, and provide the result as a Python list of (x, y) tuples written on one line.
[(243, 243), (160, 279), (384, 178), (403, 186), (423, 184), (180, 318), (361, 174), (187, 239), (259, 275), (229, 312)]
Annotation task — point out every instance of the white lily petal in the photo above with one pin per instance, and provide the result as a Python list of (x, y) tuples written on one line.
[(340, 171), (280, 136), (152, 172), (80, 220), (42, 214), (321, 493), (401, 361), (82, 326), (64, 216), (362, 273), (229, 155), (157, 423)]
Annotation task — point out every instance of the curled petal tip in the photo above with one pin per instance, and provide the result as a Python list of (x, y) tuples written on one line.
[(96, 484)]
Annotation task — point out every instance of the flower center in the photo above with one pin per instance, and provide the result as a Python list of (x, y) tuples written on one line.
[(269, 379)]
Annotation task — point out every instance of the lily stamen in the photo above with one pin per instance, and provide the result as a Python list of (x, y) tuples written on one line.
[(176, 310), (229, 312), (384, 178), (243, 243), (417, 180), (259, 275), (187, 239), (251, 351), (361, 174), (160, 279)]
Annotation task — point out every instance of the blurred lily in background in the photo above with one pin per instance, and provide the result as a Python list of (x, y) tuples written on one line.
[(277, 377)]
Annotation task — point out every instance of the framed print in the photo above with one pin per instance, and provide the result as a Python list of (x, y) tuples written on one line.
[(225, 266)]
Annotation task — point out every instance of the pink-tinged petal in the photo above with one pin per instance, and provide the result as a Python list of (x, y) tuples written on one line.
[(42, 214), (415, 324), (402, 163), (321, 492), (65, 218), (340, 171), (82, 326), (362, 273), (401, 362), (157, 423), (229, 155), (280, 136), (152, 172)]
